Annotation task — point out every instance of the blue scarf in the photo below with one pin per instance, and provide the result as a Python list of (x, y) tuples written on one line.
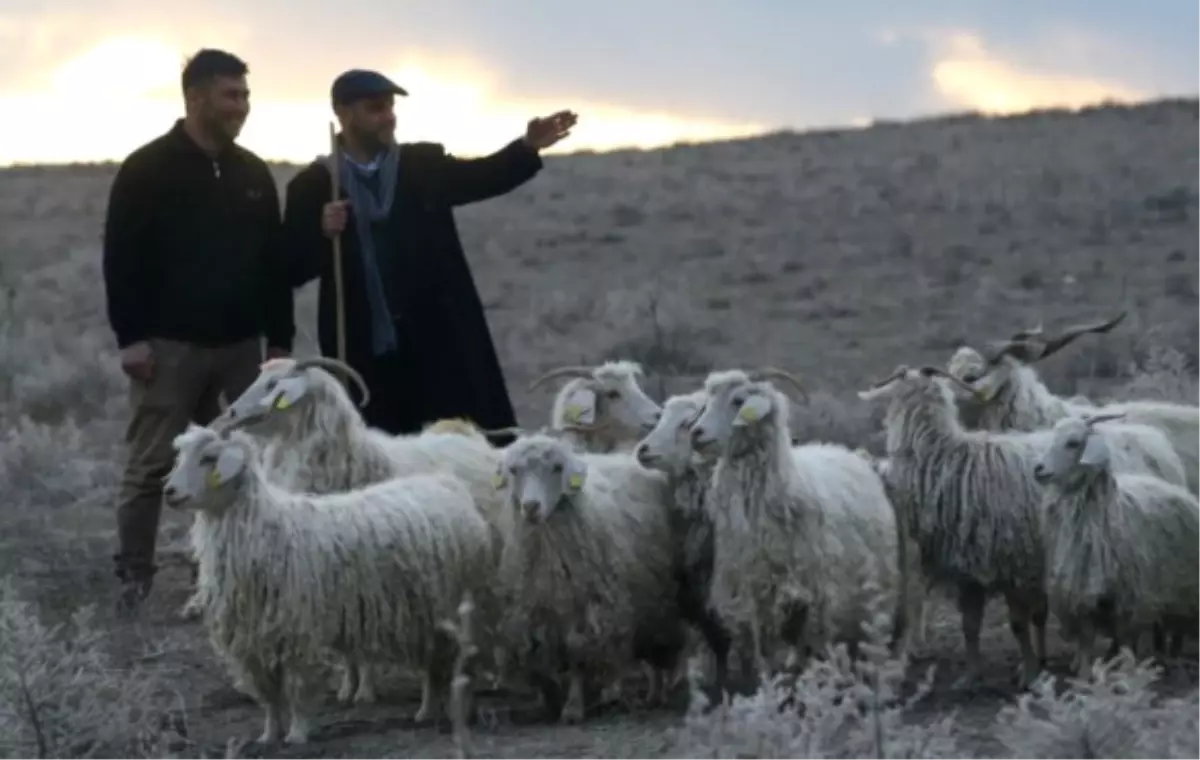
[(372, 188)]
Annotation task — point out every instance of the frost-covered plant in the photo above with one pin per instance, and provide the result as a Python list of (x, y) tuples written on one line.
[(62, 696), (1116, 713), (836, 707)]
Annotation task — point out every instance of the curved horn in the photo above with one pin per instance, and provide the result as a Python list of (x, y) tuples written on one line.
[(929, 371), (513, 430), (1071, 333), (576, 370), (235, 424), (774, 373), (897, 373), (336, 365), (1104, 418)]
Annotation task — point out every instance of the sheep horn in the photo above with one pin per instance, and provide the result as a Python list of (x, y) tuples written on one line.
[(336, 365), (774, 373), (1071, 333), (1104, 418), (578, 370), (928, 371), (898, 373), (513, 430)]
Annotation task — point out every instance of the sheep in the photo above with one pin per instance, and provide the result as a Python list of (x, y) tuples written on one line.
[(285, 576), (974, 505), (805, 537), (603, 408), (668, 449), (1156, 437), (586, 570), (317, 442), (1123, 549)]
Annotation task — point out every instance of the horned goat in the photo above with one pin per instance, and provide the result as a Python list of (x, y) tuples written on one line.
[(602, 408), (586, 570), (805, 537), (316, 441), (668, 449), (973, 505), (285, 576), (1123, 550), (1155, 437)]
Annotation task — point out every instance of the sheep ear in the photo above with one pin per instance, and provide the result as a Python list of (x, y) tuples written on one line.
[(230, 463), (579, 407), (574, 474), (499, 479), (754, 409), (287, 392), (1095, 452)]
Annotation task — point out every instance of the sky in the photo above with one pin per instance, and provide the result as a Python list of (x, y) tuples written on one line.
[(90, 80)]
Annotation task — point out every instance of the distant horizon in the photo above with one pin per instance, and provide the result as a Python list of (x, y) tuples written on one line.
[(566, 151)]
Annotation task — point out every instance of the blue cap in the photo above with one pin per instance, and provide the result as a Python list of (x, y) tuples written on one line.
[(356, 84)]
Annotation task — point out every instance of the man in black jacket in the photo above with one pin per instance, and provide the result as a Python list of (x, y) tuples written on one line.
[(194, 278), (415, 327)]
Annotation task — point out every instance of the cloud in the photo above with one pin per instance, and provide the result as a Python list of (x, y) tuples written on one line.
[(965, 73)]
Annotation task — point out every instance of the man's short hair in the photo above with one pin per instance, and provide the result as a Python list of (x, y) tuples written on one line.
[(208, 64)]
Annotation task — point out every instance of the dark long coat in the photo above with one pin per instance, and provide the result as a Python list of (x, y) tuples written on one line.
[(445, 365)]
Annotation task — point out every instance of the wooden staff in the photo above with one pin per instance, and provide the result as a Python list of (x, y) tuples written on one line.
[(338, 286)]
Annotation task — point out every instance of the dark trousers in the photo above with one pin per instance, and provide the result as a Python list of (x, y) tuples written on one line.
[(399, 399), (186, 384)]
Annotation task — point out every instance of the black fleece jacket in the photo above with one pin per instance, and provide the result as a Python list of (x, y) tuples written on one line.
[(193, 247)]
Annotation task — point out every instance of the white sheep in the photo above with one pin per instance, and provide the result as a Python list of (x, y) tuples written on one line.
[(284, 576), (316, 441), (1155, 437), (1123, 551), (602, 408), (805, 538), (668, 449), (586, 571), (974, 506)]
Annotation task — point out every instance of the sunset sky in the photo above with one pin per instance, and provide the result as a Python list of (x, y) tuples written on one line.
[(91, 80)]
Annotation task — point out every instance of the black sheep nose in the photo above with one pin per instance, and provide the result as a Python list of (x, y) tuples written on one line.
[(640, 451), (170, 492)]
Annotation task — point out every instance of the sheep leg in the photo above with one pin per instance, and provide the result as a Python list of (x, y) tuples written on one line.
[(1085, 642), (365, 693), (298, 706), (971, 603), (1039, 616), (1020, 613), (572, 711), (719, 641), (433, 684), (265, 686), (350, 675)]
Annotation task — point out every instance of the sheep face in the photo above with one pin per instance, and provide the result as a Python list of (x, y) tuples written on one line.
[(610, 398), (668, 447), (278, 387), (1075, 453), (736, 408), (205, 462), (539, 474), (967, 365), (906, 386)]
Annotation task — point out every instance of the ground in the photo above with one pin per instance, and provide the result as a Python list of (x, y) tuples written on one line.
[(836, 255)]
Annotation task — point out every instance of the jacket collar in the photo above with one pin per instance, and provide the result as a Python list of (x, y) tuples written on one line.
[(184, 141)]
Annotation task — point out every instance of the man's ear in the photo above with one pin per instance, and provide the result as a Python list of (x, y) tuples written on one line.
[(753, 409)]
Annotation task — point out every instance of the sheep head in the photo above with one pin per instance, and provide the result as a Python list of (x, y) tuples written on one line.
[(284, 385), (668, 447), (740, 406), (1074, 452), (607, 397), (205, 462), (1026, 347), (905, 381), (539, 472)]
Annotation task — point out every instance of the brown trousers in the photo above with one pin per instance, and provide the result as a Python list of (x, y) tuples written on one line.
[(187, 381)]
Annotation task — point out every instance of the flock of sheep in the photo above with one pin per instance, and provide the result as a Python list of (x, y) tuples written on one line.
[(603, 541)]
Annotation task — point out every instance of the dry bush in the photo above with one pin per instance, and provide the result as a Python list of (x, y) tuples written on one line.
[(61, 695)]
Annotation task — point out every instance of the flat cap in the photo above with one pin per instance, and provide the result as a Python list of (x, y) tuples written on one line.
[(356, 84)]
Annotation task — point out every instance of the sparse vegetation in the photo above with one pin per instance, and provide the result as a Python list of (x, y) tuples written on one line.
[(833, 255)]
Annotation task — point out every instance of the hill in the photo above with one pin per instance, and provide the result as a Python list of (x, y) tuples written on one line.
[(836, 255)]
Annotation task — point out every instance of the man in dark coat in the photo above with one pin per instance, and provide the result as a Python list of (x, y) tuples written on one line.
[(414, 325)]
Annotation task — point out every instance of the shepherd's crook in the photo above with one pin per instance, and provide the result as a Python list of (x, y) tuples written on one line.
[(338, 288)]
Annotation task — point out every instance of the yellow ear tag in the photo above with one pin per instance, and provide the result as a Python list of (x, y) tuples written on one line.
[(748, 414), (575, 481), (214, 480), (499, 481), (282, 403), (573, 412)]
